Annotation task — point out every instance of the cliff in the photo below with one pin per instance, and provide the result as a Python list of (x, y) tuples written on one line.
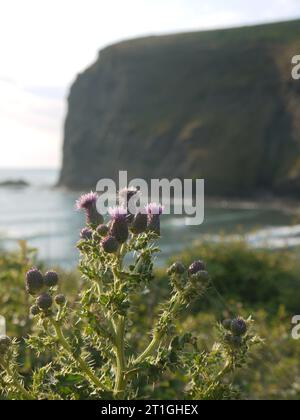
[(219, 105)]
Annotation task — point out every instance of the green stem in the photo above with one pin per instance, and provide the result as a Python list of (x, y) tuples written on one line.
[(82, 364), (175, 306), (227, 369), (14, 380), (119, 324), (149, 350), (120, 383)]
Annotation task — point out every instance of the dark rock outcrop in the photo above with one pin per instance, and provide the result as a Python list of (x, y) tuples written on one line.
[(219, 105), (10, 183)]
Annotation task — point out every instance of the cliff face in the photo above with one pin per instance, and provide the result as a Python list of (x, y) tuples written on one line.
[(218, 105)]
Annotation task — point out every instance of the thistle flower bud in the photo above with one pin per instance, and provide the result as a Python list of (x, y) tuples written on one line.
[(237, 341), (51, 279), (239, 327), (196, 267), (177, 268), (227, 324), (34, 281), (35, 310), (154, 212), (88, 203), (201, 276), (119, 225), (86, 234), (60, 300), (233, 340), (139, 224), (102, 230), (44, 301), (5, 343), (110, 245)]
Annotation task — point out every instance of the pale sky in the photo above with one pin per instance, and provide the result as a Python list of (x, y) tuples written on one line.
[(45, 43)]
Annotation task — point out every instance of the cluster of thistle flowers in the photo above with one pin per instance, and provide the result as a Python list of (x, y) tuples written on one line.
[(122, 223), (237, 329), (42, 287), (195, 277)]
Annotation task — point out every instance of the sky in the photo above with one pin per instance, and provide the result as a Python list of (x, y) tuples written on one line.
[(44, 44)]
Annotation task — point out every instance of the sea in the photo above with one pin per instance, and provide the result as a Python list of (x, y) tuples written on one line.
[(45, 217)]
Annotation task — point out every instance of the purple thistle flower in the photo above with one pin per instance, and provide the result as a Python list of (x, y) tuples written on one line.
[(154, 211), (88, 203), (119, 225), (126, 200), (126, 194), (118, 212), (154, 208), (196, 267), (86, 234)]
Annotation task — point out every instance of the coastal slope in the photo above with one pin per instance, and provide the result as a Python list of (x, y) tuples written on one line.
[(219, 105)]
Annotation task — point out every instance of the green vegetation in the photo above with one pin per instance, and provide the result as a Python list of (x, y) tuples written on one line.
[(97, 344), (265, 284)]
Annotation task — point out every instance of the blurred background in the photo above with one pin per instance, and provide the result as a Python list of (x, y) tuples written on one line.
[(157, 88)]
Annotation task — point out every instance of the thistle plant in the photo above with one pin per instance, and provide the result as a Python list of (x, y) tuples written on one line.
[(90, 347)]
